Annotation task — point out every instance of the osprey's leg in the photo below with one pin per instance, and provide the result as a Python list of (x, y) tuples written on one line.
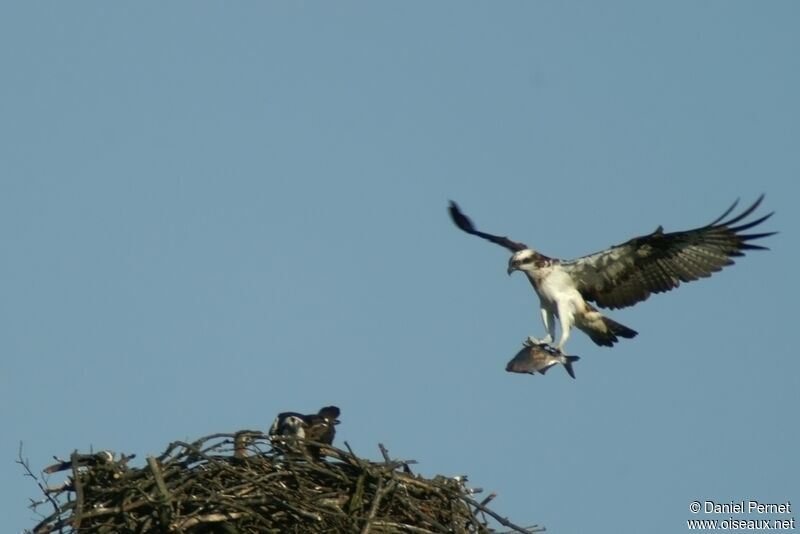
[(550, 327), (566, 318)]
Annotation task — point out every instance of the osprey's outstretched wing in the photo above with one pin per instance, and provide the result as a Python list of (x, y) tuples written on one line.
[(463, 222), (628, 273)]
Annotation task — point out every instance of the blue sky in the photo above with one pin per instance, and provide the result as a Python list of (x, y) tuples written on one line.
[(213, 212)]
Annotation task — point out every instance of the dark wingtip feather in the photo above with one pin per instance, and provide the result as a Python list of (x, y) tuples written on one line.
[(743, 239), (744, 214), (749, 225), (748, 237), (460, 220), (751, 247), (725, 214)]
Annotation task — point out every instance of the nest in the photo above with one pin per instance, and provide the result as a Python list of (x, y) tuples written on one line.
[(244, 483)]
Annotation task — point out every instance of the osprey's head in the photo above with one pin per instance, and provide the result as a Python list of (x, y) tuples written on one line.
[(522, 260), (289, 424), (330, 414)]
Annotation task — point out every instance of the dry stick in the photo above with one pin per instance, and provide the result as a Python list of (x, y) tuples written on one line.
[(208, 518), (385, 453), (313, 466), (164, 507), (58, 522), (26, 466), (488, 499), (379, 490), (352, 454), (502, 520), (374, 508), (76, 479), (397, 463), (46, 529), (403, 526), (427, 518), (484, 502), (304, 513)]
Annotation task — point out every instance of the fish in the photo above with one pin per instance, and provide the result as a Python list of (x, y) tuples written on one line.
[(538, 358)]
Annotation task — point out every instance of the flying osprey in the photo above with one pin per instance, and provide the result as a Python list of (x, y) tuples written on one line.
[(624, 274)]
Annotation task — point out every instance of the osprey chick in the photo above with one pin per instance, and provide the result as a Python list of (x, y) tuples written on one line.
[(318, 427), (624, 274)]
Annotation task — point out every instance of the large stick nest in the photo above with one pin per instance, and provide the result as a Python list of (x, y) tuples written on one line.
[(259, 486)]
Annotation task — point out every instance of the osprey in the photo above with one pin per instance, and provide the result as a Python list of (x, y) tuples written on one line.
[(241, 441), (624, 274), (88, 460), (319, 427)]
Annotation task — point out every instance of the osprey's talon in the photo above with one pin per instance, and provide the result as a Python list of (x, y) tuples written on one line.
[(531, 341)]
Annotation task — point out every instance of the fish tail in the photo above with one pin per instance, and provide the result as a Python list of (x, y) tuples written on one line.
[(567, 363)]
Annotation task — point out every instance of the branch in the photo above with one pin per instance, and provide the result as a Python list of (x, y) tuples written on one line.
[(29, 473), (502, 520)]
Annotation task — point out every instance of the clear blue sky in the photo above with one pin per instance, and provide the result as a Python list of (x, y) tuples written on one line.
[(214, 211)]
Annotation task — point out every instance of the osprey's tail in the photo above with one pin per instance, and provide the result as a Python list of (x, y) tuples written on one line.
[(606, 332)]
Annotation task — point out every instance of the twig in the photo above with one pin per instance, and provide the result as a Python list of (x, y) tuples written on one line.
[(374, 508), (502, 520), (208, 518), (397, 463), (78, 483), (488, 499), (164, 505), (29, 473), (384, 452), (398, 526)]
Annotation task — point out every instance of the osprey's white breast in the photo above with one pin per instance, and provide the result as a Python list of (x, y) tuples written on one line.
[(553, 285)]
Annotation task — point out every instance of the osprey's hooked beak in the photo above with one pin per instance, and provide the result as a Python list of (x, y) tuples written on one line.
[(511, 268)]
